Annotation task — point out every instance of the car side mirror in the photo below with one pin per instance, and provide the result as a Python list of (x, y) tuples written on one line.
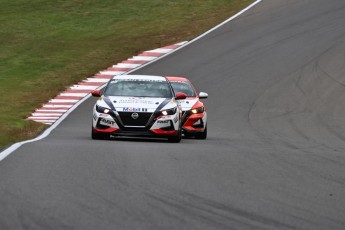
[(203, 95), (180, 96), (96, 93)]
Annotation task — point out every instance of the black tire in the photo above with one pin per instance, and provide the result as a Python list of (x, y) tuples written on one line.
[(202, 135), (176, 139), (99, 136), (188, 135)]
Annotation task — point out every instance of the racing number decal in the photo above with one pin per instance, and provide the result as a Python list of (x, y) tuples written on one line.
[(106, 122)]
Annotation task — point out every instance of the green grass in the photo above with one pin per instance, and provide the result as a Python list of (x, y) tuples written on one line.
[(47, 45)]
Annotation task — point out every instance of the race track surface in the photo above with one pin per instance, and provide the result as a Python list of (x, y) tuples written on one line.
[(274, 159)]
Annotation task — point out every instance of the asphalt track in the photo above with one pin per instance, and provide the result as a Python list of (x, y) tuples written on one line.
[(274, 159)]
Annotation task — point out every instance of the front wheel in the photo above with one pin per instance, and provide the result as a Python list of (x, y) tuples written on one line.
[(177, 138), (202, 135), (98, 136)]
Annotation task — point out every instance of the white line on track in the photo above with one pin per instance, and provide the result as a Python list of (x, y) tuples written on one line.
[(15, 146), (184, 44)]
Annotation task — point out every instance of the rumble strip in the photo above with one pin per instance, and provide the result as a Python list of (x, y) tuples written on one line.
[(50, 112)]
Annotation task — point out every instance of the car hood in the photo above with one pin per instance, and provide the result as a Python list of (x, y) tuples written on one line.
[(136, 104)]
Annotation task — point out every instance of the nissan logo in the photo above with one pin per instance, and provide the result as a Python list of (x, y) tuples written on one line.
[(135, 115)]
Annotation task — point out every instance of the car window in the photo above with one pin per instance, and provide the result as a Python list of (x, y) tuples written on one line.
[(183, 87), (138, 88)]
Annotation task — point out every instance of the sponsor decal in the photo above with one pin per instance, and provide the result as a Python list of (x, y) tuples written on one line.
[(134, 109), (165, 102), (131, 109), (163, 122), (106, 122), (175, 119), (136, 101)]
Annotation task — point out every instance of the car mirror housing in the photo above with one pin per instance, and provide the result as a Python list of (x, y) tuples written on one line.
[(96, 93), (203, 95), (180, 96)]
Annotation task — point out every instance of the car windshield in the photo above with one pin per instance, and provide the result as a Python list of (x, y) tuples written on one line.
[(138, 88), (183, 87)]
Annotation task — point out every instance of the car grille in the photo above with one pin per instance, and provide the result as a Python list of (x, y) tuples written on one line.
[(127, 120)]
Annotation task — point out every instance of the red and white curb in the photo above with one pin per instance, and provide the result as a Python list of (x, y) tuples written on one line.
[(50, 112)]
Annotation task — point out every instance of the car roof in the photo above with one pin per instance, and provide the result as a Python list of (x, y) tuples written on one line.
[(173, 78), (141, 77)]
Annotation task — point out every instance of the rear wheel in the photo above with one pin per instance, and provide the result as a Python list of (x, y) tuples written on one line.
[(202, 135)]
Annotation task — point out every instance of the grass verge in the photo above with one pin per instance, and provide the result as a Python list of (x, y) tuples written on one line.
[(48, 45)]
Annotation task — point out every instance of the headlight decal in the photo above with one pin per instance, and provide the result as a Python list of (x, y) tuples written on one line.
[(158, 110), (107, 100)]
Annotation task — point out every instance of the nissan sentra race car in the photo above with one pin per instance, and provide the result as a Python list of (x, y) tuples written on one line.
[(194, 119), (138, 106)]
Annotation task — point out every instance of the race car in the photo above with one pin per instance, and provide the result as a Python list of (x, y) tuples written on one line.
[(194, 118), (137, 106)]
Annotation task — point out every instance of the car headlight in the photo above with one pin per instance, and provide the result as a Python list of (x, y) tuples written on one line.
[(101, 109), (169, 111), (198, 110)]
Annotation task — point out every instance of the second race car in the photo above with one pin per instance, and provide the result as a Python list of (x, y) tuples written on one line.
[(194, 119)]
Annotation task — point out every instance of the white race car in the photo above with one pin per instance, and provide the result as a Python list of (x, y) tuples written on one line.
[(138, 106)]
